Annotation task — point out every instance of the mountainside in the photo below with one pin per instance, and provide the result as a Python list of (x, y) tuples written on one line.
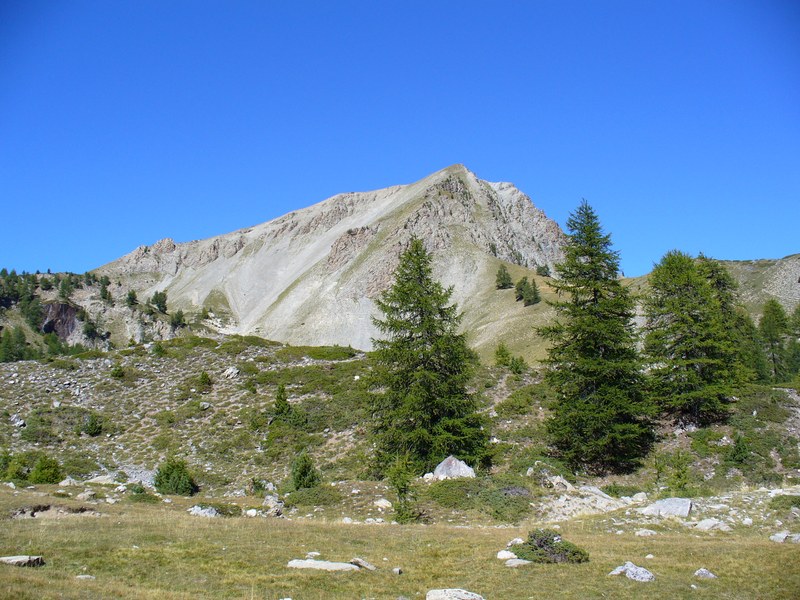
[(760, 280), (310, 277)]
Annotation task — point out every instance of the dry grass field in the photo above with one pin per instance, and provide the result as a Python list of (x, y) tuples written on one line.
[(159, 551)]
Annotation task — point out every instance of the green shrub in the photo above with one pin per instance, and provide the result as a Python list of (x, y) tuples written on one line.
[(204, 382), (546, 546), (94, 425), (401, 477), (619, 490), (118, 372), (138, 493), (173, 477), (304, 475), (784, 502), (321, 495), (46, 470)]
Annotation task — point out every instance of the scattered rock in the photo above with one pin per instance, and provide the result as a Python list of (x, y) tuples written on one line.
[(517, 562), (102, 480), (779, 537), (452, 468), (86, 495), (631, 571), (251, 512), (557, 482), (347, 520), (17, 421), (452, 594), (22, 561), (273, 505), (397, 571), (704, 573), (382, 503), (747, 521), (230, 373), (711, 524), (199, 511), (321, 565), (85, 577), (506, 555), (669, 507), (360, 562), (68, 482), (514, 542), (645, 533), (649, 556), (312, 554), (205, 405), (640, 497)]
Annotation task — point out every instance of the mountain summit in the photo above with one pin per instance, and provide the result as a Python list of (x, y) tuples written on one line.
[(310, 277)]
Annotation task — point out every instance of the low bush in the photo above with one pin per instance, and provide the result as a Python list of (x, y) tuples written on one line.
[(304, 475), (546, 546), (619, 490), (46, 470), (173, 477), (322, 495), (784, 502)]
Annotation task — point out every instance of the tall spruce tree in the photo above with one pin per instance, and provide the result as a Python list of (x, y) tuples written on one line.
[(601, 419), (422, 366), (690, 340)]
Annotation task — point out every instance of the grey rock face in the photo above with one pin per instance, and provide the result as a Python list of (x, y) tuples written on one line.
[(631, 571), (704, 573), (22, 561), (452, 594), (669, 507), (321, 565), (452, 468), (199, 511)]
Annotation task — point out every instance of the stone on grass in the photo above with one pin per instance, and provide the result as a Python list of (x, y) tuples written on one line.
[(452, 468), (514, 542), (273, 505), (360, 562), (505, 555), (631, 571), (669, 507), (517, 562), (85, 577), (704, 573), (640, 497), (452, 594), (712, 524), (200, 511), (86, 495), (382, 503), (397, 571), (645, 533), (68, 482), (23, 560), (102, 480), (322, 565), (779, 537), (230, 373)]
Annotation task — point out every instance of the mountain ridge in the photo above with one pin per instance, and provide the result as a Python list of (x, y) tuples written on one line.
[(310, 276)]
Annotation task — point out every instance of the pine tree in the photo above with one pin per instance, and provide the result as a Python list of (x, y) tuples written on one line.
[(423, 366), (689, 339), (600, 421), (519, 289), (773, 327), (503, 279), (530, 295)]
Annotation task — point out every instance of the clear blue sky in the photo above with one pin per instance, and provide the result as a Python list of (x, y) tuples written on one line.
[(125, 122)]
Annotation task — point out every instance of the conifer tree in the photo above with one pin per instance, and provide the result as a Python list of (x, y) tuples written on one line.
[(600, 421), (503, 279), (531, 295), (422, 366), (690, 338), (520, 288), (774, 326)]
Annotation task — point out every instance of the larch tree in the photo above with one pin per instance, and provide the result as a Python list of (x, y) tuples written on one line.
[(690, 338), (774, 327), (422, 366), (601, 419)]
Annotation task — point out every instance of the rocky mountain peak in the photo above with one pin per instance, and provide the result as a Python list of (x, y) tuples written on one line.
[(311, 275)]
